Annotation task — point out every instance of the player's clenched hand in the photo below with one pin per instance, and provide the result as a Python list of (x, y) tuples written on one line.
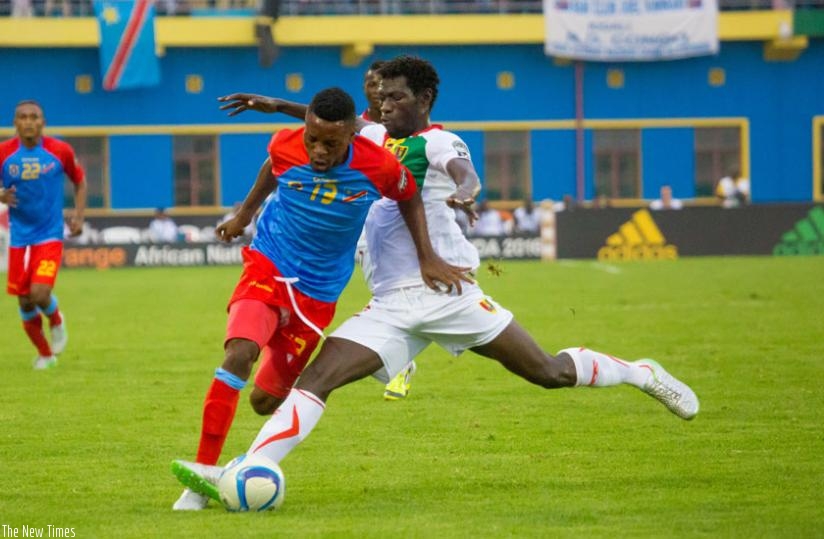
[(9, 196), (75, 226), (437, 273), (231, 229), (241, 102)]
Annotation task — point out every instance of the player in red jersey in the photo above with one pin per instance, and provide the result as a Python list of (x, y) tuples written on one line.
[(371, 86), (32, 168), (320, 181), (398, 387)]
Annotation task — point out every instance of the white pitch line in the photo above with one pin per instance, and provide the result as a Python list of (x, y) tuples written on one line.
[(600, 266)]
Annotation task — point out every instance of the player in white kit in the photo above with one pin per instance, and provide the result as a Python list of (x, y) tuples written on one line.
[(404, 316)]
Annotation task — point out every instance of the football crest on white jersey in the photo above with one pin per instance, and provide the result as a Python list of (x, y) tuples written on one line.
[(460, 148)]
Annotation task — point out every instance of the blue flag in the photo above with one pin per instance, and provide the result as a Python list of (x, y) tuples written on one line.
[(127, 43)]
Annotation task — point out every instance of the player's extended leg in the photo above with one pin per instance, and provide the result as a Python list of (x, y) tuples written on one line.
[(515, 349), (338, 363), (219, 408), (251, 325)]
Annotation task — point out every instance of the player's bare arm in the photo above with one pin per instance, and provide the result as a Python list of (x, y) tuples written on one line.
[(468, 184), (434, 269), (264, 186), (75, 222), (9, 196), (241, 102)]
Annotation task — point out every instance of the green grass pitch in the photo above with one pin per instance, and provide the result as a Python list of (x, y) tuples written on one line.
[(474, 451)]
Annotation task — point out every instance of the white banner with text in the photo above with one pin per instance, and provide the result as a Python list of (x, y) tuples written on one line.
[(628, 30)]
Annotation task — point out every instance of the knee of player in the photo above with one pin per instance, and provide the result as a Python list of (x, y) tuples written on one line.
[(40, 296), (544, 370), (26, 303), (239, 356), (559, 371), (264, 404)]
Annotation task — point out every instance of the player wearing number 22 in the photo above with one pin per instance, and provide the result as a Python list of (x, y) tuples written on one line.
[(33, 167)]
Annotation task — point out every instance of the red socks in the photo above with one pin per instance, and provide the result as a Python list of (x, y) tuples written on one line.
[(218, 413), (55, 319), (34, 329)]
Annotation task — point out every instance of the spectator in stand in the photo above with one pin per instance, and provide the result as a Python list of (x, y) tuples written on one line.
[(58, 8), (527, 218), (601, 202), (666, 202), (174, 7), (508, 222), (162, 229), (489, 222), (567, 203), (21, 8), (733, 190)]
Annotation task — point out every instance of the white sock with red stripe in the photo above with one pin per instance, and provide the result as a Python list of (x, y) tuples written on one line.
[(289, 425), (601, 370)]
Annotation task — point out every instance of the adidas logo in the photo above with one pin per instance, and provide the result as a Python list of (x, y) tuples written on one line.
[(805, 238), (638, 239)]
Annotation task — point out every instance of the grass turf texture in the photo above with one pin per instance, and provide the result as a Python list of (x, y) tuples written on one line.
[(474, 451)]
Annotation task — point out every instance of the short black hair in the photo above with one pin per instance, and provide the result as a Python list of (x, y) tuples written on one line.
[(376, 65), (333, 105), (27, 102), (419, 73)]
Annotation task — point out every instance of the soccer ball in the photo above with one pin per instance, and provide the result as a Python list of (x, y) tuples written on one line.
[(252, 483)]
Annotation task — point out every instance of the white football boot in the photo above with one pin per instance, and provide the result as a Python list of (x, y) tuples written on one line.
[(41, 363), (190, 501), (671, 392), (59, 337)]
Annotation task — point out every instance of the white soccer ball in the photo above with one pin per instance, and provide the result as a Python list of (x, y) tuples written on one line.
[(252, 483)]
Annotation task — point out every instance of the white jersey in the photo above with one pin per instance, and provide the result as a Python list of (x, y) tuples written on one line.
[(392, 253)]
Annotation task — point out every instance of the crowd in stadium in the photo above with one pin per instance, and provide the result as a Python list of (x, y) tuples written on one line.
[(83, 8)]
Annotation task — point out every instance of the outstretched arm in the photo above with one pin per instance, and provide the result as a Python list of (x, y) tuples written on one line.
[(241, 102), (463, 174), (265, 184), (434, 269)]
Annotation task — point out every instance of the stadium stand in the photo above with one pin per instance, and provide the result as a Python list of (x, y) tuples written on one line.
[(82, 8)]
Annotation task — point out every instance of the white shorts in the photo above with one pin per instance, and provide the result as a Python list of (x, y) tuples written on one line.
[(400, 324)]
